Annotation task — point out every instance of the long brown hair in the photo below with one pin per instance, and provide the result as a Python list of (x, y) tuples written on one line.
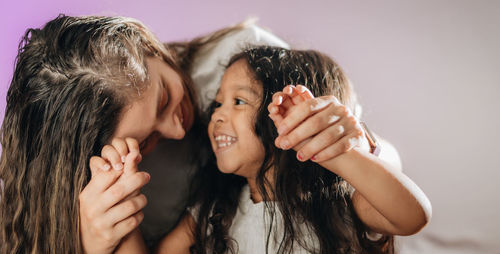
[(72, 80), (304, 191)]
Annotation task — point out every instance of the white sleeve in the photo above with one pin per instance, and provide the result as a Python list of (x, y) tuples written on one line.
[(209, 64), (194, 211)]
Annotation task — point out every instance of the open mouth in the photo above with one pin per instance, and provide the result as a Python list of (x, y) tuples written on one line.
[(224, 140)]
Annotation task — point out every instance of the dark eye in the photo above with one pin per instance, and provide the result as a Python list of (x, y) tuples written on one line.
[(239, 102), (216, 104)]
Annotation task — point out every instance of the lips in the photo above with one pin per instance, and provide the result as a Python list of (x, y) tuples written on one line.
[(224, 140)]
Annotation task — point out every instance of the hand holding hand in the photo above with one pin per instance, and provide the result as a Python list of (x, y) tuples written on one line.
[(110, 204), (317, 128)]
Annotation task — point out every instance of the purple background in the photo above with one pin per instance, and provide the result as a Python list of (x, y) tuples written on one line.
[(425, 71)]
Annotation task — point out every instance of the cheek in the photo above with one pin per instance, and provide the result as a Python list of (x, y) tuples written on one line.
[(210, 132), (255, 145)]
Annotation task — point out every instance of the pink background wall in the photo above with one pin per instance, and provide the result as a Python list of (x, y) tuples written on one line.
[(426, 73)]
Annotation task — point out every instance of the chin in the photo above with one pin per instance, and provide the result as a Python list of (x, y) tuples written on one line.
[(226, 169)]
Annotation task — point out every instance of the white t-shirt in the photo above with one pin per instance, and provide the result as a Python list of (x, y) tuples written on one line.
[(250, 228)]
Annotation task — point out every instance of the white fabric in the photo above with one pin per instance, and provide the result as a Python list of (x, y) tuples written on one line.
[(250, 227), (210, 62)]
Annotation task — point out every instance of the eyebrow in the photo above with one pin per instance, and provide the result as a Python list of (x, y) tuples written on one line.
[(247, 89)]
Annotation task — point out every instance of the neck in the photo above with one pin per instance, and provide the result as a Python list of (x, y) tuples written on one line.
[(254, 189)]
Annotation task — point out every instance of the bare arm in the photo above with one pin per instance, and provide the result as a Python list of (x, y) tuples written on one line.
[(323, 130), (180, 239), (386, 200), (133, 243)]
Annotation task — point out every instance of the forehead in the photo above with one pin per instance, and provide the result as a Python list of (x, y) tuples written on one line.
[(159, 69), (139, 116), (239, 77)]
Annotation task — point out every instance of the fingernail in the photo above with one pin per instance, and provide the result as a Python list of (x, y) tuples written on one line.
[(300, 156), (276, 143), (106, 167), (301, 89), (118, 166), (314, 158), (285, 144), (333, 119), (288, 90), (340, 129), (280, 99), (123, 159)]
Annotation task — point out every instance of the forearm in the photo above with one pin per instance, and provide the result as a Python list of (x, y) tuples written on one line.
[(132, 243), (390, 192)]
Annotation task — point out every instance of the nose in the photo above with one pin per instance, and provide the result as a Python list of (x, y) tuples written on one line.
[(171, 127), (219, 115)]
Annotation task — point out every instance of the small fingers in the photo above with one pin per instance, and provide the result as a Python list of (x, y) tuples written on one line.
[(280, 100), (131, 161), (133, 144), (113, 156), (294, 94), (98, 163), (305, 93), (121, 147)]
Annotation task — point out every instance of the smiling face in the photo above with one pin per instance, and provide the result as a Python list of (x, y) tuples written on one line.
[(232, 125), (164, 109)]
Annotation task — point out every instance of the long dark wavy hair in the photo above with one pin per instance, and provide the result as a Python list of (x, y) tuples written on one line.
[(72, 80), (305, 191)]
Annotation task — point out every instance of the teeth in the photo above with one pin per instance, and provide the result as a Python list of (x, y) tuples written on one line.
[(224, 140)]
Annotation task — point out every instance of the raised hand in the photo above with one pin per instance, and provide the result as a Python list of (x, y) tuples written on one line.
[(317, 128), (110, 204)]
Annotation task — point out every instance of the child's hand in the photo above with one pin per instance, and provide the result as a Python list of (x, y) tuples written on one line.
[(317, 128), (110, 204)]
